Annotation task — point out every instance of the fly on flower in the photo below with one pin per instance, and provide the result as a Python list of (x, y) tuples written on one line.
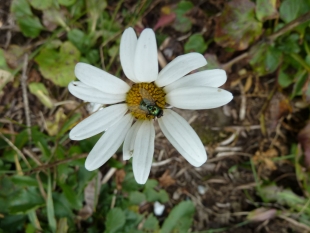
[(131, 110), (147, 105)]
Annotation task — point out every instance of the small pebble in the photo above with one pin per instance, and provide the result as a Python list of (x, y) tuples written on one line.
[(158, 208), (201, 189)]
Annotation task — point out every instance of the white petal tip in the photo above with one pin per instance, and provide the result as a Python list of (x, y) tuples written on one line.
[(89, 166), (72, 136), (200, 162), (79, 66), (141, 180)]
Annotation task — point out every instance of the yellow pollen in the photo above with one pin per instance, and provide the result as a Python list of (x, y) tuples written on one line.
[(144, 91)]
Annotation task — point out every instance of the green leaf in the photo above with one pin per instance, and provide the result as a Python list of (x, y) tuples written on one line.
[(273, 59), (62, 226), (136, 197), (180, 218), (21, 139), (151, 223), (69, 123), (150, 184), (281, 196), (41, 141), (50, 206), (29, 24), (40, 91), (41, 4), (5, 77), (29, 229), (82, 41), (62, 207), (290, 44), (25, 200), (72, 197), (58, 66), (163, 196), (301, 78), (3, 64), (12, 223), (182, 23), (284, 79), (290, 10), (213, 62), (237, 26), (77, 9), (130, 184), (21, 8), (152, 195), (195, 43), (24, 181), (34, 220), (66, 2), (94, 10), (93, 56), (265, 58), (115, 220), (133, 219), (266, 9)]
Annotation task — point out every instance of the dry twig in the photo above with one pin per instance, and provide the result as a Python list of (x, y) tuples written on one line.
[(11, 144), (25, 95)]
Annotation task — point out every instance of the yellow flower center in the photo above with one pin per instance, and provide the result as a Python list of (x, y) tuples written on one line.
[(146, 101)]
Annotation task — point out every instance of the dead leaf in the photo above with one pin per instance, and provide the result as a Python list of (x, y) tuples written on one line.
[(304, 140), (166, 180), (14, 56), (248, 84), (5, 77), (166, 18), (306, 90), (91, 193), (279, 107), (261, 214), (120, 176), (34, 76), (237, 26), (52, 126), (264, 159)]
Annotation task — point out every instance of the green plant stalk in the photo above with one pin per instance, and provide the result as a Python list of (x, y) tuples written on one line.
[(50, 205), (257, 181), (300, 61), (34, 220)]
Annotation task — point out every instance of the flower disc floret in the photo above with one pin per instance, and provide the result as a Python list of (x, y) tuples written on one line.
[(134, 98)]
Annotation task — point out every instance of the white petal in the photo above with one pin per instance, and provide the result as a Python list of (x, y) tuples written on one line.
[(90, 94), (179, 67), (99, 79), (129, 142), (127, 53), (143, 151), (146, 61), (108, 144), (98, 122), (183, 137), (198, 97), (211, 78)]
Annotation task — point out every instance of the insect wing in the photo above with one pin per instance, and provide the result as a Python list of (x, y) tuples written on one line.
[(147, 98), (137, 109)]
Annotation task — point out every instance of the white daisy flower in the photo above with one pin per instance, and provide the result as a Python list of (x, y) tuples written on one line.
[(145, 101)]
